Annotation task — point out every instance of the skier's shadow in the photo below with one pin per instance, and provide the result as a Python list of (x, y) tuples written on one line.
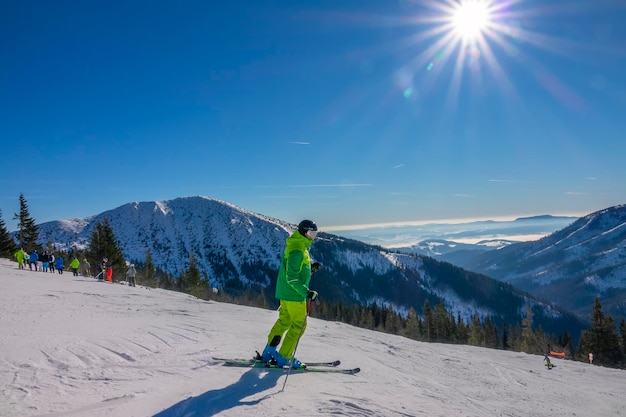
[(213, 402)]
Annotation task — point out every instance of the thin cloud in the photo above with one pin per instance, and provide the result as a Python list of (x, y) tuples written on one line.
[(591, 178), (574, 193), (509, 181), (300, 143), (329, 185), (462, 195), (313, 185), (398, 166), (287, 197)]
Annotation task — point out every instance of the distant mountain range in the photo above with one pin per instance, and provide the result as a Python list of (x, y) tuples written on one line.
[(236, 248), (569, 267), (483, 233), (460, 253)]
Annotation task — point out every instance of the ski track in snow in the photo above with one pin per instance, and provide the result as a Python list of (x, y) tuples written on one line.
[(72, 346)]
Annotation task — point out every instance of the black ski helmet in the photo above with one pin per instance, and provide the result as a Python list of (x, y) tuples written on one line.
[(305, 226)]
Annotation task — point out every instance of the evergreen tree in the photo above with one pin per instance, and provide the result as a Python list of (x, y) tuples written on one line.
[(191, 280), (476, 332), (492, 340), (566, 344), (600, 339), (609, 343), (441, 322), (622, 335), (542, 343), (149, 277), (166, 281), (7, 244), (586, 345), (28, 231), (351, 314), (412, 325), (505, 338), (515, 337), (366, 318), (429, 323), (463, 330), (528, 342), (103, 244), (393, 324)]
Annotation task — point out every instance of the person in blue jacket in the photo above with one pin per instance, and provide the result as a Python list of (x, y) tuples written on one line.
[(58, 264), (34, 258)]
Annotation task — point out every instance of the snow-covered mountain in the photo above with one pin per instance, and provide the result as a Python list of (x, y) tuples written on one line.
[(570, 267), (236, 248), (210, 229)]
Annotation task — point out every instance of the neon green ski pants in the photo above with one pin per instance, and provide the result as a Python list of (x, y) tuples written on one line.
[(291, 319)]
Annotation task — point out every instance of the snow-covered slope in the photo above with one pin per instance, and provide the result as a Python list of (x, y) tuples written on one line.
[(74, 347)]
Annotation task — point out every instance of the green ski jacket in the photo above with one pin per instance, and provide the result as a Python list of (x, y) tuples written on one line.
[(294, 274)]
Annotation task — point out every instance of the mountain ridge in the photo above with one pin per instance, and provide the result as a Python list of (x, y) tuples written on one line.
[(570, 266), (237, 248)]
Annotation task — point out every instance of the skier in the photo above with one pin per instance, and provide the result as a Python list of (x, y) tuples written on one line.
[(131, 275), (103, 269), (20, 255), (549, 364), (44, 259), (59, 265), (86, 268), (292, 289), (75, 264), (34, 258)]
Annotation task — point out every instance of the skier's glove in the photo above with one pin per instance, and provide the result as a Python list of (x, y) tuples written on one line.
[(312, 295), (315, 266)]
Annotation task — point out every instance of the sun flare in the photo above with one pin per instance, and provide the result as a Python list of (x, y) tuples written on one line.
[(471, 18), (476, 44)]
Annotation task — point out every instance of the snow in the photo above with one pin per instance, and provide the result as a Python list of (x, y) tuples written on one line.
[(72, 346)]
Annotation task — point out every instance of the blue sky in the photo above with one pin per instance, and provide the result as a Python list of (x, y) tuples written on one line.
[(347, 112)]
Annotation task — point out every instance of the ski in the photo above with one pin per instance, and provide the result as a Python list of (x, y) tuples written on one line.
[(315, 367), (332, 364), (309, 368), (252, 362), (327, 370)]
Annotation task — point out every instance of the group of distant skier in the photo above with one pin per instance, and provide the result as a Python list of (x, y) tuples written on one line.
[(47, 262)]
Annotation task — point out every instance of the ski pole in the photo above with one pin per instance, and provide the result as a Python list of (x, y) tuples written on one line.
[(308, 310)]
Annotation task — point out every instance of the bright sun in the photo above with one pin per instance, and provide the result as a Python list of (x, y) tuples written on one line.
[(471, 18)]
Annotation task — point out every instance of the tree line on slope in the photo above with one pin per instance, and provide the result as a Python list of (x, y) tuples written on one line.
[(433, 325)]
